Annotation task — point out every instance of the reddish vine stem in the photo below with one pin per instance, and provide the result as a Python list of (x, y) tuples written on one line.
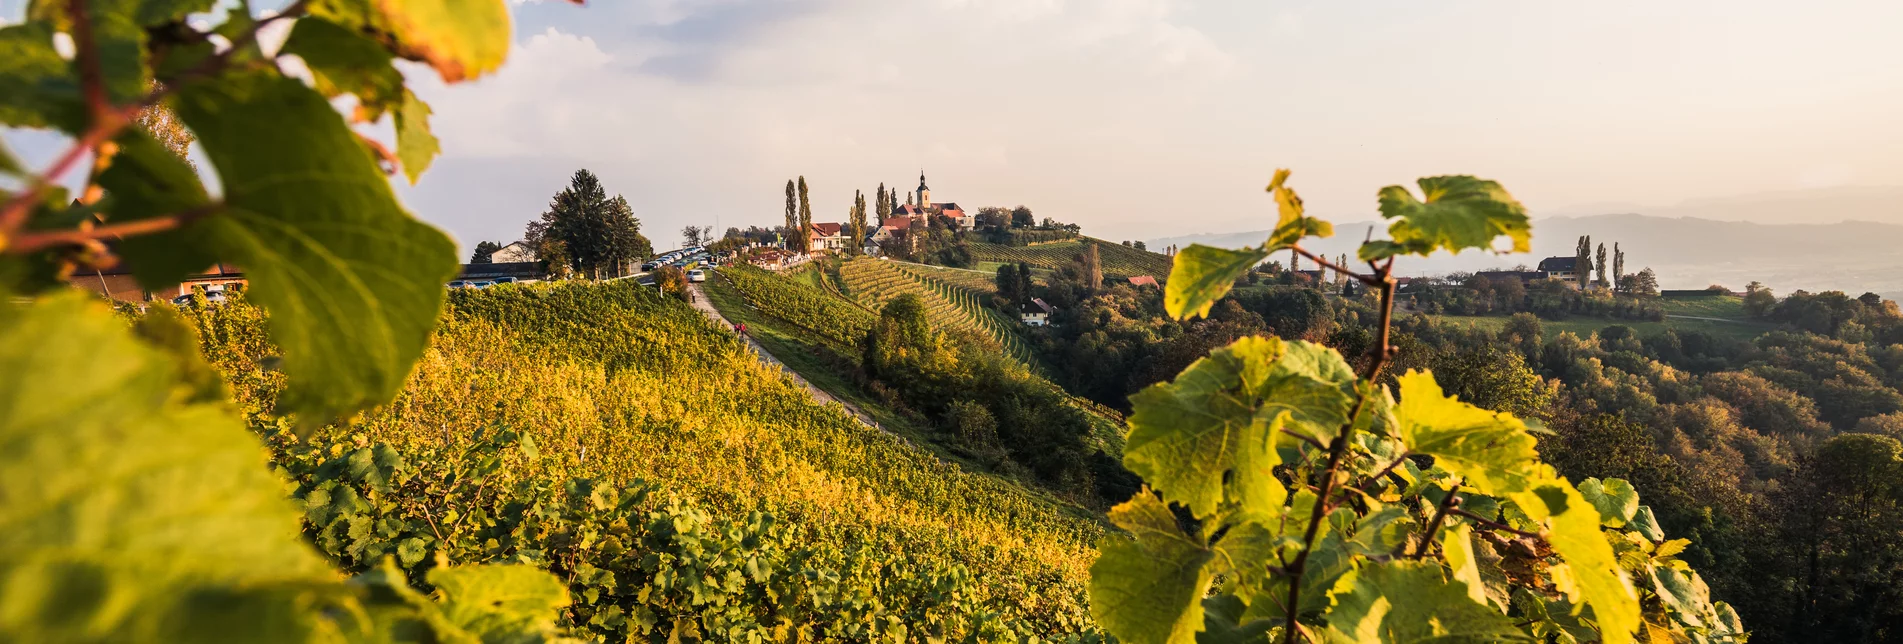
[(1368, 279), (1491, 524), (34, 241), (1367, 487), (1383, 279), (109, 120), (1448, 504)]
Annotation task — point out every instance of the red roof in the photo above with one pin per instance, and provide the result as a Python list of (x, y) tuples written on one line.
[(827, 229), (1142, 280), (897, 222), (908, 209)]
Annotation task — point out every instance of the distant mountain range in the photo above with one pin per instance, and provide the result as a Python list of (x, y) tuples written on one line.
[(1685, 252)]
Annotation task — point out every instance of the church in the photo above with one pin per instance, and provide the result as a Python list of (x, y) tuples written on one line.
[(919, 207)]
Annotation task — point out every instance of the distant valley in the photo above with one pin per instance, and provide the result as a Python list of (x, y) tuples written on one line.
[(1686, 252)]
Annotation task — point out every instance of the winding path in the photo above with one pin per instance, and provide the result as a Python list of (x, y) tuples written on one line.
[(706, 306)]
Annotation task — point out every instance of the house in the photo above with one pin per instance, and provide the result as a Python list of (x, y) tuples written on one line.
[(117, 283), (1037, 313), (1560, 268), (827, 236), (514, 253), (1142, 280), (891, 227)]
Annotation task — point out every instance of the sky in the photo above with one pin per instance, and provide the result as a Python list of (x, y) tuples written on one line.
[(1141, 119)]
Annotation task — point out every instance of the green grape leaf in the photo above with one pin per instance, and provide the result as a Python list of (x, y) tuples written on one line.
[(1458, 213), (147, 181), (1149, 589), (1202, 275), (496, 602), (1403, 602), (1327, 563), (1291, 226), (1222, 414), (128, 513), (1646, 525), (37, 87), (1222, 623), (1491, 450), (460, 40), (352, 282), (1457, 547), (1591, 574), (1685, 593), (416, 146), (347, 62), (1616, 500)]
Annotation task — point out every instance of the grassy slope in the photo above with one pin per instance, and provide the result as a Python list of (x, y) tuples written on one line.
[(1586, 326), (1118, 260), (1709, 306), (615, 382)]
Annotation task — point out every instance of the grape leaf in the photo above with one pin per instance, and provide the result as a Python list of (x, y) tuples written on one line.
[(1409, 601), (1458, 548), (146, 181), (1595, 580), (1492, 450), (127, 513), (1291, 226), (37, 87), (500, 600), (460, 40), (1221, 414), (1202, 274), (347, 62), (1149, 589), (352, 282), (1646, 525), (1616, 500), (416, 146), (1459, 212)]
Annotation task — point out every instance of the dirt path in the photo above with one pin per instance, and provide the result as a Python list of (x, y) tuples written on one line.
[(706, 306), (1696, 317)]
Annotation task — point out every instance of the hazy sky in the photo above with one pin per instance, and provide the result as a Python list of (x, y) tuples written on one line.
[(1147, 118)]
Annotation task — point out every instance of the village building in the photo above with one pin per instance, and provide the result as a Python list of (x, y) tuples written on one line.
[(827, 236), (117, 283), (1560, 268), (514, 253), (1037, 313), (921, 208)]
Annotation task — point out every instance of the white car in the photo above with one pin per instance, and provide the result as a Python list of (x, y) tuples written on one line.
[(696, 275)]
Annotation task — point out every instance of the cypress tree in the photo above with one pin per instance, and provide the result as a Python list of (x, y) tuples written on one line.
[(885, 204), (802, 234), (1094, 265), (1024, 283), (858, 222), (1582, 260)]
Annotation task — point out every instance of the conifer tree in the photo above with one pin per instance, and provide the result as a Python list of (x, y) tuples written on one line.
[(1024, 283), (1582, 260), (802, 235), (885, 204), (1093, 267), (858, 221), (1618, 263)]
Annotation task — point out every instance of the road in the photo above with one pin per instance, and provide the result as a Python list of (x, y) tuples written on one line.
[(706, 306)]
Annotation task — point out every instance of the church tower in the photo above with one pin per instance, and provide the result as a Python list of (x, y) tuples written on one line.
[(924, 193)]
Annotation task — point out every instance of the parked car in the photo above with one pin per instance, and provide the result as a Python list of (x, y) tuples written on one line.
[(211, 297), (481, 284), (696, 275), (459, 284), (648, 266), (505, 280)]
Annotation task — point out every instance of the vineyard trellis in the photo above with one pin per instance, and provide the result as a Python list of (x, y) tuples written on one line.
[(1118, 260)]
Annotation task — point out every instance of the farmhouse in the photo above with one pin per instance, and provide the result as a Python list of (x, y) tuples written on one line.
[(1560, 268), (514, 253), (1037, 313), (827, 236)]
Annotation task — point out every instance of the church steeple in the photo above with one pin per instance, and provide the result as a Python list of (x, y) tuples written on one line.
[(924, 193)]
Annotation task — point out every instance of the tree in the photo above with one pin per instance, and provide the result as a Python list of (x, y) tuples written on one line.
[(1582, 260), (993, 217), (792, 209), (802, 236), (856, 224), (1139, 246), (885, 204), (160, 122), (1021, 217), (1646, 283), (483, 250), (1600, 264), (692, 235), (1758, 300), (1024, 283), (1093, 268), (1618, 265), (599, 235), (1007, 281)]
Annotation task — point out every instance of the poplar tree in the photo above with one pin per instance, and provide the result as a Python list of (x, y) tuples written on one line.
[(1618, 263), (792, 209), (885, 204), (858, 221), (1582, 260), (1093, 265), (1600, 264), (802, 235)]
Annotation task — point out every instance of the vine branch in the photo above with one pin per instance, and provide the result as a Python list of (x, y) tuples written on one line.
[(107, 119), (1383, 279), (34, 241), (1448, 503), (1495, 525)]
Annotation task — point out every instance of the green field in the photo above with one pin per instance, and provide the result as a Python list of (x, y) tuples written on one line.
[(1742, 330), (1707, 306)]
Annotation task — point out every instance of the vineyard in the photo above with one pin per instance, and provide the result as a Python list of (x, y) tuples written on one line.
[(970, 280), (634, 448), (802, 305), (873, 282), (1118, 260)]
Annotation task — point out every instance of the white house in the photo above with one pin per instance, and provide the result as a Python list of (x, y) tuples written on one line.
[(512, 253), (1037, 313)]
